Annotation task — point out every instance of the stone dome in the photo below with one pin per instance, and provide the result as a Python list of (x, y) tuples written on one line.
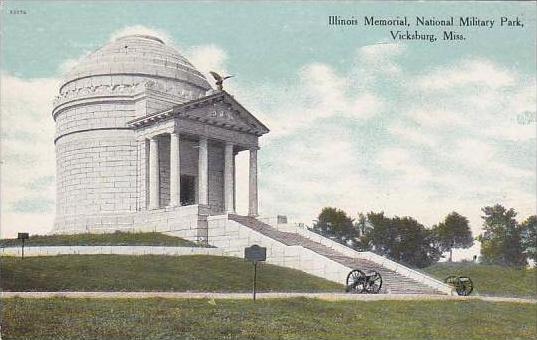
[(138, 55)]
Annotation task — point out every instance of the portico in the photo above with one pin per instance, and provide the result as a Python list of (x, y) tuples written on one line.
[(196, 143)]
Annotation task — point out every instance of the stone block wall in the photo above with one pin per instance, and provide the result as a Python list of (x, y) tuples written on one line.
[(164, 169), (188, 222), (96, 173), (116, 250), (216, 178), (234, 237)]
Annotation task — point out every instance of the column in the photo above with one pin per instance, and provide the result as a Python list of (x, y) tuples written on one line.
[(234, 181), (252, 192), (154, 182), (228, 179), (203, 173), (175, 170)]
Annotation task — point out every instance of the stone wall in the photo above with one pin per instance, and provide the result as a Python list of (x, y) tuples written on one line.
[(116, 250), (216, 178), (188, 222), (96, 173), (164, 169), (233, 237)]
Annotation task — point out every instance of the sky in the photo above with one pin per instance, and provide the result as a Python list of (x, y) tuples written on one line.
[(358, 121)]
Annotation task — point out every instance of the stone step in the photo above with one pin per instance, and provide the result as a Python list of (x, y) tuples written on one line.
[(392, 281)]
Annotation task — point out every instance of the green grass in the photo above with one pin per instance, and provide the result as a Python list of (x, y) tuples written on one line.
[(151, 273), (297, 318), (491, 279), (111, 239)]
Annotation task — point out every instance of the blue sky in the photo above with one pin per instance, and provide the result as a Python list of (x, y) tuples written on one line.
[(357, 120)]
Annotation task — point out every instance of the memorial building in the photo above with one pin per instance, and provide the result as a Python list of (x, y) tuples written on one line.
[(143, 140), (144, 143)]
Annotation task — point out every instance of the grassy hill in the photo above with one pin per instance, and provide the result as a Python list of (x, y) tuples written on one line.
[(151, 273), (110, 239), (490, 279), (297, 318)]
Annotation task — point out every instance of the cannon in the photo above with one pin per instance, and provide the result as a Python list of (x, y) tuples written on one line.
[(463, 285), (359, 282)]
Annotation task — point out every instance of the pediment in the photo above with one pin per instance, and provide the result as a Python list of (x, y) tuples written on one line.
[(218, 109), (220, 113)]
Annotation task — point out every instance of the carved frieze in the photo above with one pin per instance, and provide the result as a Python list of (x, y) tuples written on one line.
[(97, 91), (176, 89)]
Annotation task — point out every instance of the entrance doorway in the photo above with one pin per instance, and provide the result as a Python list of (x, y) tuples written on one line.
[(188, 190)]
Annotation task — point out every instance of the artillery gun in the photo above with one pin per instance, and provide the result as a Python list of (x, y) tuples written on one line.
[(463, 285), (359, 282)]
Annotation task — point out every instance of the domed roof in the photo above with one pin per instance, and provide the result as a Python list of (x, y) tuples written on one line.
[(142, 55)]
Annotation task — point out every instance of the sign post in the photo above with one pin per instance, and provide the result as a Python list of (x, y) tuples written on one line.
[(255, 253), (23, 237)]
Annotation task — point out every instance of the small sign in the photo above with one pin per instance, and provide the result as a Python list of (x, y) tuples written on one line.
[(23, 236), (255, 253)]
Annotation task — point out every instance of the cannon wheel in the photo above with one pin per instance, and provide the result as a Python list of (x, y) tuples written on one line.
[(467, 286), (356, 281), (374, 282), (463, 285)]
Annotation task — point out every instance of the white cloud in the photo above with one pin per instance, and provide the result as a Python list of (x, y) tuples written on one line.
[(28, 159), (434, 118), (68, 64), (143, 30), (403, 164), (208, 58), (381, 58), (312, 171), (473, 72), (413, 134)]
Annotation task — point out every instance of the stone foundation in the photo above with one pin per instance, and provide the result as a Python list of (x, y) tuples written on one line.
[(188, 222)]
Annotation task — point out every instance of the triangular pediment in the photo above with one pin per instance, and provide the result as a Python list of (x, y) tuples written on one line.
[(222, 109), (219, 109)]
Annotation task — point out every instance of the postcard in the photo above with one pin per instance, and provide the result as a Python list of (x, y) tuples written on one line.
[(360, 151)]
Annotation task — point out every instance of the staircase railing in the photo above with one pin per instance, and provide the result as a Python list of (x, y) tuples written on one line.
[(378, 259)]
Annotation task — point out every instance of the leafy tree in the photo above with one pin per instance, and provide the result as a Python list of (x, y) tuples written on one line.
[(501, 241), (403, 239), (335, 224), (529, 237), (453, 232)]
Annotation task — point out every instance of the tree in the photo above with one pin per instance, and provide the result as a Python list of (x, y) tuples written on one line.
[(529, 237), (334, 223), (453, 232), (403, 239), (501, 241)]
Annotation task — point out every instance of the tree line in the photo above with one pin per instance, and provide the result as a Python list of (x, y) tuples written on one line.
[(504, 240)]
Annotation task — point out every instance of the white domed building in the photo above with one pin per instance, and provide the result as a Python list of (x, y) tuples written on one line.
[(144, 143)]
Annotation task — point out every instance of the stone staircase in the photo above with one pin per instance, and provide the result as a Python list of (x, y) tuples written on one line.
[(393, 282)]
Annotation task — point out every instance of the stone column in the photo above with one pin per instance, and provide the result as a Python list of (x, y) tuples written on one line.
[(234, 182), (228, 179), (154, 181), (252, 192), (175, 170), (203, 172)]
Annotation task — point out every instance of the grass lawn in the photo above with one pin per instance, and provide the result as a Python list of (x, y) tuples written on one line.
[(112, 239), (298, 318), (152, 273), (490, 279)]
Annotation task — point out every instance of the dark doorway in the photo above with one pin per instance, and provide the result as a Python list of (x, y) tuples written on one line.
[(188, 190)]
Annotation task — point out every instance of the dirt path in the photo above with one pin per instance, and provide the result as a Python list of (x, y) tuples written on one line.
[(189, 295)]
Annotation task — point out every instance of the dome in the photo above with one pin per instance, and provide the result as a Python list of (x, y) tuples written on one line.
[(138, 55)]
